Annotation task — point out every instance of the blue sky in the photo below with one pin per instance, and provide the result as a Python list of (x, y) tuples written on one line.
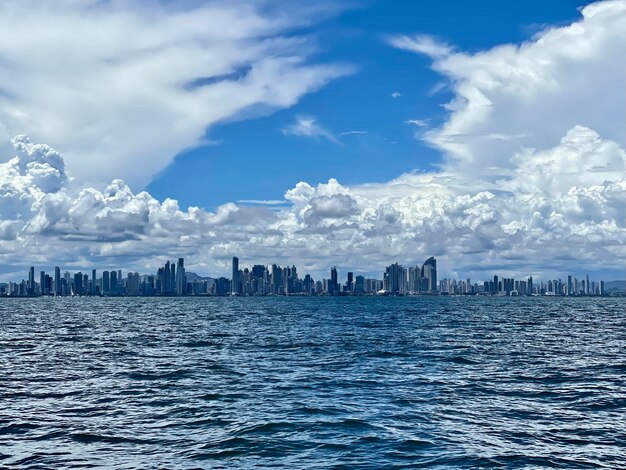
[(252, 159), (502, 150)]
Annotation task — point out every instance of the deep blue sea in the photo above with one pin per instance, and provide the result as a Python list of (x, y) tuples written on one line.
[(360, 382)]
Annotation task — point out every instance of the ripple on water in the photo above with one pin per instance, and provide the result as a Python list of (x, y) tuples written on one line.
[(312, 382)]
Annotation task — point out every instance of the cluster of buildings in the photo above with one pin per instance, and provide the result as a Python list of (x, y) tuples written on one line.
[(172, 280), (276, 280), (509, 286)]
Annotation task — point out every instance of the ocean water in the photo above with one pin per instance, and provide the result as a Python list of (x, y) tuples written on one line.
[(357, 382)]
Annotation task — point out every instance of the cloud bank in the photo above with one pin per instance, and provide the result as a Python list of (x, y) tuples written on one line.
[(122, 87), (558, 207), (534, 181)]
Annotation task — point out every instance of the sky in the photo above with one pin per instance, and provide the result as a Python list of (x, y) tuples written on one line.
[(489, 134)]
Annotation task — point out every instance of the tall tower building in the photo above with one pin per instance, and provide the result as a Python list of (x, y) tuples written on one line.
[(57, 280), (165, 284), (428, 275), (334, 288), (234, 285), (395, 279), (570, 286), (181, 282), (113, 281), (78, 283), (106, 282), (42, 282), (31, 280)]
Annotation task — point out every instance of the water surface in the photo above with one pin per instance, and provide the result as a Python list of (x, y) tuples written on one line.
[(357, 382)]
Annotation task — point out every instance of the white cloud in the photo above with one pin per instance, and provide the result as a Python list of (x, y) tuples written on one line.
[(534, 182), (529, 95), (396, 94), (263, 202), (353, 133), (553, 204), (307, 126), (423, 44), (122, 87), (418, 122)]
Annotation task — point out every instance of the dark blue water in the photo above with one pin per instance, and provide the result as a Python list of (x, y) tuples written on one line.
[(313, 382)]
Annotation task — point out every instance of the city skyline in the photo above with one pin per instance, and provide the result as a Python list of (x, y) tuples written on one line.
[(491, 138), (172, 280)]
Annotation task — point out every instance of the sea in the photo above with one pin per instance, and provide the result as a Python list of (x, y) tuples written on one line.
[(313, 382)]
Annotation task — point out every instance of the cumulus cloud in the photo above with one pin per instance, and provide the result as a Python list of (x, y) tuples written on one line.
[(122, 87), (554, 205), (529, 95), (534, 183)]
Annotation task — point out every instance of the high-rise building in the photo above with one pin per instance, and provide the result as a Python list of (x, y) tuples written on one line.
[(106, 283), (93, 282), (78, 284), (165, 284), (181, 281), (42, 282), (359, 285), (57, 280), (350, 284), (428, 275), (234, 284), (334, 287), (570, 286), (31, 281), (113, 280), (395, 279)]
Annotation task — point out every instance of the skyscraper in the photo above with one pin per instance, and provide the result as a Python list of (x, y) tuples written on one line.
[(181, 282), (234, 285), (113, 280), (395, 279), (333, 281), (106, 283), (428, 275), (31, 281), (57, 280), (172, 286), (165, 283), (78, 283), (570, 286)]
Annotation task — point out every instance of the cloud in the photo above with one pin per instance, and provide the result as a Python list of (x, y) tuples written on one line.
[(529, 95), (553, 204), (418, 122), (353, 133), (534, 182), (396, 94), (307, 126), (122, 87), (422, 44), (421, 126), (263, 202)]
